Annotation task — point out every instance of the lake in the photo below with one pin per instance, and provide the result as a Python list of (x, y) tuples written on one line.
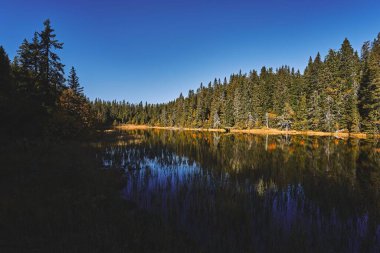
[(254, 193)]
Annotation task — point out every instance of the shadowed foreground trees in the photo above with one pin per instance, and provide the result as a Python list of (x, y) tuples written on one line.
[(35, 99)]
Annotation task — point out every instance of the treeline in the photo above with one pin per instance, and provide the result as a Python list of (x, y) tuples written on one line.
[(338, 93), (36, 99)]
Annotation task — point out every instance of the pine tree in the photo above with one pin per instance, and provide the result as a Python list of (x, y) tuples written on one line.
[(296, 88), (180, 111), (5, 74), (364, 87), (216, 120), (314, 91), (23, 68), (287, 117), (200, 109), (73, 82), (229, 120), (373, 104), (349, 67), (301, 114), (238, 102), (267, 81), (7, 101), (333, 99), (35, 56), (215, 107), (257, 94), (51, 68)]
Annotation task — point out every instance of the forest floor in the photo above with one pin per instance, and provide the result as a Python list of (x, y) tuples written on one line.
[(261, 131)]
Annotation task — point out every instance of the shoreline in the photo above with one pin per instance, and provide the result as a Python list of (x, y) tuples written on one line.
[(270, 131)]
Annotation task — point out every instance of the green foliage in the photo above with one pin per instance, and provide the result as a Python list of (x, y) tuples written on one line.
[(73, 82), (339, 93), (370, 90)]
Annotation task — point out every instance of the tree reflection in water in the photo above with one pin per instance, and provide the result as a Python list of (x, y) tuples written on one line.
[(243, 193)]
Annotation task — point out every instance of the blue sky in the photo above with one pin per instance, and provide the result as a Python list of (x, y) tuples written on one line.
[(151, 50)]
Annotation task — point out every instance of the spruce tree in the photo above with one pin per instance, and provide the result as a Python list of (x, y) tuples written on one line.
[(7, 92), (35, 56), (73, 82), (51, 68), (349, 67), (374, 86), (301, 114), (256, 109), (314, 91), (333, 101), (5, 74), (229, 120), (364, 87)]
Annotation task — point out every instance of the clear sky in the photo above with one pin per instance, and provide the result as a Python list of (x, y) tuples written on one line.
[(151, 50)]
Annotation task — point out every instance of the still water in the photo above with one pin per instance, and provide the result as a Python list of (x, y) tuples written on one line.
[(251, 193)]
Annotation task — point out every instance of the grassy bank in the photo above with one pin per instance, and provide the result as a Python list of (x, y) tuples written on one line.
[(262, 131)]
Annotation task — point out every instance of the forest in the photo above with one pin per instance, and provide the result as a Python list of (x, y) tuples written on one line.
[(68, 185), (338, 93), (36, 98)]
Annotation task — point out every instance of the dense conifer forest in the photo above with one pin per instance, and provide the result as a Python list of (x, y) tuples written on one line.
[(338, 93)]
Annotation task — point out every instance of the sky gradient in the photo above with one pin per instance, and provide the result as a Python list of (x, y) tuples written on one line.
[(151, 50)]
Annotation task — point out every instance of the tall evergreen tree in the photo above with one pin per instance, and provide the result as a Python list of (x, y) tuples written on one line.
[(349, 67), (364, 95), (333, 100), (5, 74), (51, 68), (373, 72), (73, 82), (314, 91)]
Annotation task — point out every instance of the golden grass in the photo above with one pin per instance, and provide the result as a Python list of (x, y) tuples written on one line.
[(131, 127), (272, 131), (261, 131), (135, 127)]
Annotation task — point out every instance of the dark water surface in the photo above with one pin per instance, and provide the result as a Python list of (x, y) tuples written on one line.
[(250, 193)]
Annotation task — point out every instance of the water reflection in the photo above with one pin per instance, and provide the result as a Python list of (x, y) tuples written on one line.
[(244, 193)]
